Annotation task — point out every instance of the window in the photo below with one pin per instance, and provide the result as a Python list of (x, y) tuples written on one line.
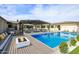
[(42, 26), (29, 26), (52, 26), (10, 26), (38, 26)]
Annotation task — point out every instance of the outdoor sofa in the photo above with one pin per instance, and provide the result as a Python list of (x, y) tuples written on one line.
[(5, 40)]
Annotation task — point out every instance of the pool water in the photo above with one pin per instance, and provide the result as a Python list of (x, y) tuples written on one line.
[(54, 39)]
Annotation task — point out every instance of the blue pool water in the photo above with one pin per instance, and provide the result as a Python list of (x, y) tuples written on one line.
[(54, 39)]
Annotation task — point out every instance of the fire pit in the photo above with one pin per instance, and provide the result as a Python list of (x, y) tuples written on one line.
[(22, 42)]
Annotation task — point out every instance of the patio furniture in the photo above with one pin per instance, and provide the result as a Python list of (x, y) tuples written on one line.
[(22, 42), (4, 43)]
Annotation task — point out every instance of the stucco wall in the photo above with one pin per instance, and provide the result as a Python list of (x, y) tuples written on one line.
[(54, 29), (68, 27), (3, 25), (77, 27)]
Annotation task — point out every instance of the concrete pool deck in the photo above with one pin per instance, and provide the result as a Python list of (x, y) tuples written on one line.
[(35, 47)]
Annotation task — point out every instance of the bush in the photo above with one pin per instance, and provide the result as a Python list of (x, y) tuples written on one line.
[(73, 42), (77, 38), (63, 47)]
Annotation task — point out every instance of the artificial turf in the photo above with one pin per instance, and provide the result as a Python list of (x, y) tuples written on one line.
[(75, 51)]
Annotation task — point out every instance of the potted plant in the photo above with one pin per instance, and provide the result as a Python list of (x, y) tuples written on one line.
[(63, 47), (77, 37), (73, 42)]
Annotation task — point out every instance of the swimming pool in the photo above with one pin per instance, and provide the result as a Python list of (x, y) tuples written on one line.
[(54, 39)]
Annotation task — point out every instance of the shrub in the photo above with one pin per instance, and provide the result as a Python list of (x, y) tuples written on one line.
[(77, 38), (63, 47), (73, 42)]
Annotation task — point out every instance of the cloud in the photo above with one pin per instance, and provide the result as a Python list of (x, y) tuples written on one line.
[(48, 12), (57, 13)]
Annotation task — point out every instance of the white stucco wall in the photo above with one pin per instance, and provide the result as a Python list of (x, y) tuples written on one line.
[(77, 27), (53, 29), (68, 27)]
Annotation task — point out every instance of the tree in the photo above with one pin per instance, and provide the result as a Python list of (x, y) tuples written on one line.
[(58, 26), (63, 47)]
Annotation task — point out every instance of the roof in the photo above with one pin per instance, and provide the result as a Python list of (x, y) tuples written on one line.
[(33, 22), (13, 22), (3, 19), (67, 22)]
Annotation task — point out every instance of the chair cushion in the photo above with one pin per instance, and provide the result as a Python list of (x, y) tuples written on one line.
[(4, 34), (21, 39), (2, 37)]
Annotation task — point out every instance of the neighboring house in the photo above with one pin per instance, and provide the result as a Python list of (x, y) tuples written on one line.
[(3, 24)]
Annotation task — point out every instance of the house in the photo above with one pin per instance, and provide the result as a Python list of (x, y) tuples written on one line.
[(36, 25), (12, 25), (3, 24), (69, 26)]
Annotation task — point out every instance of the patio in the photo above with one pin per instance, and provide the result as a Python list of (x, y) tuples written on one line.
[(35, 47)]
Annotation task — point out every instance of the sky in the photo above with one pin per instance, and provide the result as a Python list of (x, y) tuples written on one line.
[(46, 12)]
